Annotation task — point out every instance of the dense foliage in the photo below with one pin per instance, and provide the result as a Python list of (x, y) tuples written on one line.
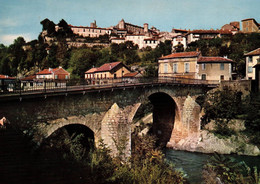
[(224, 169), (222, 106)]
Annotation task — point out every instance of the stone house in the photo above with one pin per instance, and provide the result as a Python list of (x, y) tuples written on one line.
[(92, 31), (250, 25), (193, 65), (107, 72), (141, 40), (179, 39), (252, 58), (53, 73)]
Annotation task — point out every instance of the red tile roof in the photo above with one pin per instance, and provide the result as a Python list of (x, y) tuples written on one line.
[(131, 74), (202, 31), (214, 60), (254, 52), (107, 66), (180, 30), (6, 77), (92, 70), (56, 71), (181, 55), (44, 72)]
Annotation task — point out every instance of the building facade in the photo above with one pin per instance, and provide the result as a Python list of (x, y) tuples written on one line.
[(107, 71), (252, 58), (250, 25), (193, 65), (53, 73)]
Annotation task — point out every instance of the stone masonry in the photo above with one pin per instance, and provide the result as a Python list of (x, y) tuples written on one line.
[(108, 114)]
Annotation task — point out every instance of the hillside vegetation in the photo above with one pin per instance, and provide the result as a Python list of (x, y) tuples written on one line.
[(22, 59)]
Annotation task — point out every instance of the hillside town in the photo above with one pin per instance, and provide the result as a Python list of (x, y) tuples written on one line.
[(106, 105), (181, 61)]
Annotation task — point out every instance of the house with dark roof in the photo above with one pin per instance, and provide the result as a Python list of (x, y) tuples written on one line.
[(252, 59), (107, 71), (193, 65)]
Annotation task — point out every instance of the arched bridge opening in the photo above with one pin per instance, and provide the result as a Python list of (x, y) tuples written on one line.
[(70, 138), (164, 113)]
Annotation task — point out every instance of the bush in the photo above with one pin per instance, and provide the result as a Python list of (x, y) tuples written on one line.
[(223, 169)]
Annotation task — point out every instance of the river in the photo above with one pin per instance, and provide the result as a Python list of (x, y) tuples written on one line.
[(192, 163)]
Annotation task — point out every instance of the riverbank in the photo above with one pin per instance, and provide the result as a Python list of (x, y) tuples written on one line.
[(205, 141), (192, 163)]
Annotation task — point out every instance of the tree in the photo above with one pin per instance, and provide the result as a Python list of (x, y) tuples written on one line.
[(82, 60), (48, 26), (222, 106), (18, 55)]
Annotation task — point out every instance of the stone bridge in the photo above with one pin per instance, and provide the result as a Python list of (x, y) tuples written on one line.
[(109, 113)]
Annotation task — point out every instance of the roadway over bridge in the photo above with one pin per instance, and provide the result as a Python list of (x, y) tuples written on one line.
[(108, 110)]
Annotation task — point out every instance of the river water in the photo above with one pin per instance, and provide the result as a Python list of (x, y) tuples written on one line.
[(192, 163)]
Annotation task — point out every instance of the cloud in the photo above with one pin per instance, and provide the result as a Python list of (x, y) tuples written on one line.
[(8, 39)]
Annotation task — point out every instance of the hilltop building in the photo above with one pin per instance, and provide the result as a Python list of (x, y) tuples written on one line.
[(141, 36), (193, 65), (92, 31), (250, 26), (234, 27)]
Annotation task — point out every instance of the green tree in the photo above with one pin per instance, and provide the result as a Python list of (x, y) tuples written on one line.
[(17, 56), (222, 106), (81, 60)]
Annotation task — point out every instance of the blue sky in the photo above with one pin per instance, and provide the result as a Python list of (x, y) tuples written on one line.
[(22, 17)]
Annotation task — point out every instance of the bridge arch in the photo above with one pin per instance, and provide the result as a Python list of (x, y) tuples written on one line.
[(67, 135), (166, 113), (88, 121)]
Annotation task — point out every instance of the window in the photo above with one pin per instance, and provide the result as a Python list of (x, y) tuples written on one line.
[(203, 66), (175, 68), (203, 77), (221, 77), (56, 76), (222, 66), (66, 76), (186, 67), (165, 68), (250, 69), (250, 59)]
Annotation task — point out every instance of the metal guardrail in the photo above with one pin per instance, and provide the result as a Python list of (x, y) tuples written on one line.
[(9, 87)]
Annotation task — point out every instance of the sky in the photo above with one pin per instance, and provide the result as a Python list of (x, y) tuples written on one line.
[(23, 17)]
